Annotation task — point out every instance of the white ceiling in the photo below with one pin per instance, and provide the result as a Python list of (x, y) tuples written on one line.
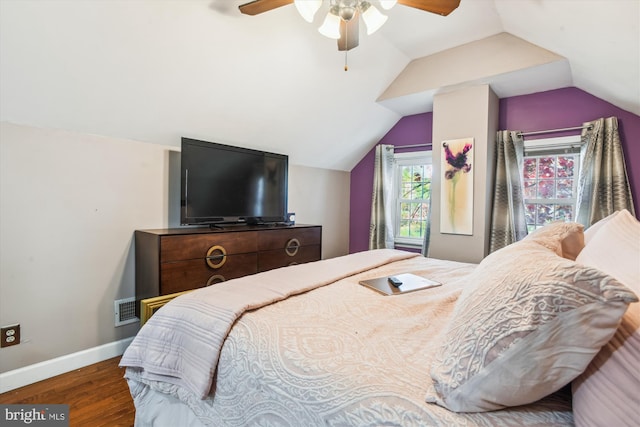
[(154, 71)]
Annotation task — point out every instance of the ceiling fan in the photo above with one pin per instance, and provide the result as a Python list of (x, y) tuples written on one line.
[(342, 21)]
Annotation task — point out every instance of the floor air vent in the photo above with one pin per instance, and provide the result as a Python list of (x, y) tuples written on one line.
[(125, 311)]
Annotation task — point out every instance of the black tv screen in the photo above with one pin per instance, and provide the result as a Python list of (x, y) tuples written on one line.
[(226, 184)]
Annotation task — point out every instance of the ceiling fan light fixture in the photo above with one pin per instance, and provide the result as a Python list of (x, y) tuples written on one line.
[(347, 13), (342, 23), (372, 17), (388, 4), (331, 26), (308, 8)]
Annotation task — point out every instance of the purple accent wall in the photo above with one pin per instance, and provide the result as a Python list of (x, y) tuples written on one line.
[(410, 130), (571, 107), (554, 109)]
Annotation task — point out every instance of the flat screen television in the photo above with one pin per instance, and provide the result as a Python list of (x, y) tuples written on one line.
[(223, 184)]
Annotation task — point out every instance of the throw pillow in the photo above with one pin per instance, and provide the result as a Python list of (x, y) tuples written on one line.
[(528, 324), (593, 229), (615, 248), (565, 238)]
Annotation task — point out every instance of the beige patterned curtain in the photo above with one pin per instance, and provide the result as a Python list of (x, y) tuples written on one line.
[(508, 222), (381, 227), (603, 185), (427, 232)]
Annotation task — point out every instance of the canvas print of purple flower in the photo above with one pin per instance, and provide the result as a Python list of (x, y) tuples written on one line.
[(456, 165)]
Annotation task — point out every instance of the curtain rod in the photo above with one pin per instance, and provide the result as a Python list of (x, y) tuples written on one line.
[(428, 144), (537, 132)]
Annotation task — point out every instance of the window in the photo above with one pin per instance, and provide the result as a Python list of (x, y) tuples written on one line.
[(412, 178), (549, 180)]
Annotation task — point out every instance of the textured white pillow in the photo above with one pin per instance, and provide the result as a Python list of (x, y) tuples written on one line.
[(608, 392), (529, 322)]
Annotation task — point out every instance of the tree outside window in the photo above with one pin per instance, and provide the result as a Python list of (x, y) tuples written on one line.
[(549, 182)]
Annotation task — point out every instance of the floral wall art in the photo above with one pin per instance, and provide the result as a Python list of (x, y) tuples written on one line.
[(456, 205)]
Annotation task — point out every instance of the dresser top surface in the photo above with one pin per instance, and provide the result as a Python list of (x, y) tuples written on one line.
[(224, 229)]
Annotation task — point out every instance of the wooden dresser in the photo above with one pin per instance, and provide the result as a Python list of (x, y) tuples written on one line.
[(179, 259)]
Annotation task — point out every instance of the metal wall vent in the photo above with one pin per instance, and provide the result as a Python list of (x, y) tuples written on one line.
[(125, 311)]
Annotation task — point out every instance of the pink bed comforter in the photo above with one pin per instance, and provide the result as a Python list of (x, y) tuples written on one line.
[(181, 343)]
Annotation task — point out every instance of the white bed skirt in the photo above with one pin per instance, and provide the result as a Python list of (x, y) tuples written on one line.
[(158, 409)]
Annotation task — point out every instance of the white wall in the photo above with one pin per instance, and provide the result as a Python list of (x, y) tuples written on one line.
[(469, 112), (69, 203), (321, 196)]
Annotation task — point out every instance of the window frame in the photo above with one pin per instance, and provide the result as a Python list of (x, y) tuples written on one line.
[(423, 157)]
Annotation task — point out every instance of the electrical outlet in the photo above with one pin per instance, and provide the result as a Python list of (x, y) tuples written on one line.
[(10, 335)]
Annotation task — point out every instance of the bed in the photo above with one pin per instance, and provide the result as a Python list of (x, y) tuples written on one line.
[(511, 341)]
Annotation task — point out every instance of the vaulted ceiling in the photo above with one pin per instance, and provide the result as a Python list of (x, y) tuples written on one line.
[(154, 71)]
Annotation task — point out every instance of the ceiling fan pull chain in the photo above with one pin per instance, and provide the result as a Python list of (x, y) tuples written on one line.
[(346, 45)]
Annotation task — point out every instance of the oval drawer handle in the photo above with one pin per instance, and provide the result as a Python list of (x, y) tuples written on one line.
[(216, 278), (292, 247), (222, 256)]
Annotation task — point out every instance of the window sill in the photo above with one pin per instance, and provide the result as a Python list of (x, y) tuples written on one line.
[(411, 247)]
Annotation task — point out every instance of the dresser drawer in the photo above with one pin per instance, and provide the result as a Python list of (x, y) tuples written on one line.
[(289, 238), (276, 258), (198, 246), (172, 260), (196, 273)]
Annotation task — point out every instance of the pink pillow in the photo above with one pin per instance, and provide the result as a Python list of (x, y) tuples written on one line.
[(591, 231), (607, 393)]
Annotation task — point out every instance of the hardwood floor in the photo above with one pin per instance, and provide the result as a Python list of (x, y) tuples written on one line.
[(97, 395)]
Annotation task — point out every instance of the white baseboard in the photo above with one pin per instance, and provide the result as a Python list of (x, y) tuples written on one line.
[(50, 368)]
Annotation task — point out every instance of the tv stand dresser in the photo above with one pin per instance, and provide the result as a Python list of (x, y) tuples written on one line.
[(179, 259)]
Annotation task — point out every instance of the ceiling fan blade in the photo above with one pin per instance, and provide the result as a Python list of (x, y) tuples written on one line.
[(258, 6), (349, 32), (440, 7)]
